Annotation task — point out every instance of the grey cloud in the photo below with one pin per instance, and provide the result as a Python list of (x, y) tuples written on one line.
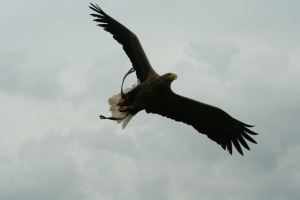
[(217, 55), (21, 75), (246, 64), (40, 171)]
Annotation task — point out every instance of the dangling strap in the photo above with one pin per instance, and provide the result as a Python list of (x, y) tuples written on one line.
[(113, 118), (129, 72)]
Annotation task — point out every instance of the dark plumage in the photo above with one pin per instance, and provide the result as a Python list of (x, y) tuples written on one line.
[(154, 95)]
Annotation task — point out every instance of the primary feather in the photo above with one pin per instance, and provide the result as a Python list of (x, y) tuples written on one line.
[(128, 40)]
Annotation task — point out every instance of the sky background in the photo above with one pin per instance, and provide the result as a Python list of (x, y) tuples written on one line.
[(57, 70)]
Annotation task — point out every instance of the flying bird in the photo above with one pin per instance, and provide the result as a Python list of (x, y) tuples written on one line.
[(153, 94)]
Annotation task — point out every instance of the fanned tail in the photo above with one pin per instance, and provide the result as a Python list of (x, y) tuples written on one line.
[(118, 116)]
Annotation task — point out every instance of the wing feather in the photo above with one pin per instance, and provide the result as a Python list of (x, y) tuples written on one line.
[(243, 142), (128, 40), (209, 120), (229, 147)]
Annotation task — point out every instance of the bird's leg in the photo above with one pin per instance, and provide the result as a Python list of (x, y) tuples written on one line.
[(121, 102), (132, 109), (124, 108), (126, 98)]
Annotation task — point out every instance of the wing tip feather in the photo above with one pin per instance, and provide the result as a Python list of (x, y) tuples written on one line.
[(245, 135), (250, 132), (97, 9), (239, 142), (237, 146)]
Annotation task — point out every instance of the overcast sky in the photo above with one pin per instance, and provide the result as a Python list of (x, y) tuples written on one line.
[(57, 70)]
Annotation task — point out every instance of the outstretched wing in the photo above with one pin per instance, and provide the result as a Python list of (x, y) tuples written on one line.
[(129, 41), (207, 119)]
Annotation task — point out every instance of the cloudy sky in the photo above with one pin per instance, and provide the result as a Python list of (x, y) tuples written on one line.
[(57, 70)]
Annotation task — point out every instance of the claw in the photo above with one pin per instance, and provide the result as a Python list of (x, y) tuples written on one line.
[(121, 102), (123, 108)]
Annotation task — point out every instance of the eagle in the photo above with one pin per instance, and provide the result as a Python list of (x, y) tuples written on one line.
[(153, 94)]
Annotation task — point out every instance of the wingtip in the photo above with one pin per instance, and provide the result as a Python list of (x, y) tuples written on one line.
[(95, 8), (237, 146), (92, 4), (243, 142), (245, 135), (248, 125), (250, 132), (229, 147)]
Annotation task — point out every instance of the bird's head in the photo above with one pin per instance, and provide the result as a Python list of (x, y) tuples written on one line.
[(165, 80), (169, 77)]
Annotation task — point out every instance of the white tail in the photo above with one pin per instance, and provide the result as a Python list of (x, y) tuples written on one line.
[(114, 108)]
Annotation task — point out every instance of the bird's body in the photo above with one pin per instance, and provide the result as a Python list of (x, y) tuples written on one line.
[(154, 95)]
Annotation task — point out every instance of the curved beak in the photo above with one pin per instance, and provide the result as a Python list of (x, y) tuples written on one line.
[(173, 76)]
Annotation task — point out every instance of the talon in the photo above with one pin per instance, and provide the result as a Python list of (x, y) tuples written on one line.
[(123, 108), (121, 102)]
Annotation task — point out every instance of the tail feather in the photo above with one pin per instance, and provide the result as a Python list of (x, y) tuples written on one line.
[(114, 108)]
